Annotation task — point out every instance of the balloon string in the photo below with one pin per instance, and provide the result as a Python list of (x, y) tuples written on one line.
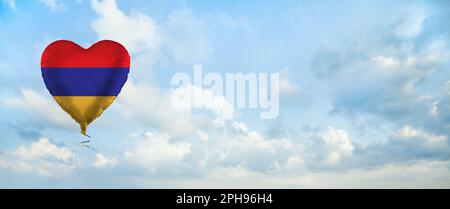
[(85, 144), (80, 144), (78, 152)]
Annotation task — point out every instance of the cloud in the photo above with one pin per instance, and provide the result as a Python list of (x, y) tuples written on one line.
[(385, 62), (252, 150), (41, 157), (336, 145), (41, 106), (137, 32), (408, 144), (234, 144), (186, 98), (333, 149), (241, 177), (421, 174), (151, 106), (443, 109), (102, 161), (389, 75), (183, 34), (230, 144), (430, 139), (202, 135), (412, 25), (43, 148), (159, 108), (154, 151), (447, 88)]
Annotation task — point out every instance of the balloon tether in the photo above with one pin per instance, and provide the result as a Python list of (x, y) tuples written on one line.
[(85, 143)]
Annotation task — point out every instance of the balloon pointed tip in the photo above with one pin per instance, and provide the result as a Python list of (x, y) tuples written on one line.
[(83, 127)]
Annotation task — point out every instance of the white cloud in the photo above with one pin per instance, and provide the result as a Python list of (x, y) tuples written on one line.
[(202, 135), (434, 108), (408, 144), (185, 98), (338, 138), (430, 139), (137, 32), (335, 145), (435, 52), (153, 151), (233, 144), (182, 33), (385, 76), (385, 62), (443, 108), (241, 177), (151, 106), (41, 105), (41, 157), (412, 25), (43, 148), (247, 140), (102, 161), (243, 146), (421, 174)]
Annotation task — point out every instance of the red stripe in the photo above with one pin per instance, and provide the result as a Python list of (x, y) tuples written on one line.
[(104, 53)]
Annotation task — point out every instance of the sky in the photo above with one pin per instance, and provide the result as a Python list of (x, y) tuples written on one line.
[(364, 95)]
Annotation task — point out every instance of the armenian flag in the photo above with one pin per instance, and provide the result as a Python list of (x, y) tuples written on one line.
[(84, 82)]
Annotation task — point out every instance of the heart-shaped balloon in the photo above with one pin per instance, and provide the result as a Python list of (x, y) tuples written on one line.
[(84, 82)]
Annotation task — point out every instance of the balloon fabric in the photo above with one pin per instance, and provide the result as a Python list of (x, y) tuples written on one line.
[(84, 82)]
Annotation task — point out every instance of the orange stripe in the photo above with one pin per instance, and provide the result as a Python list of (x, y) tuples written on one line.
[(84, 109)]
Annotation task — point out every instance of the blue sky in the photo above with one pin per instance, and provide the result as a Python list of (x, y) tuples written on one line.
[(364, 95)]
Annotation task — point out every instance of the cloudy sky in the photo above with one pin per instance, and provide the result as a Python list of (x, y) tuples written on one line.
[(364, 95)]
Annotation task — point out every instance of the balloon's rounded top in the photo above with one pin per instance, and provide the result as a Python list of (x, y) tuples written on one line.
[(105, 53)]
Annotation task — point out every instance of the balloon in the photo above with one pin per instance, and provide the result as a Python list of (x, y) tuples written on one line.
[(84, 82)]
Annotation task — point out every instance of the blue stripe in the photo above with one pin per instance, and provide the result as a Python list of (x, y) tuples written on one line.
[(85, 81)]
